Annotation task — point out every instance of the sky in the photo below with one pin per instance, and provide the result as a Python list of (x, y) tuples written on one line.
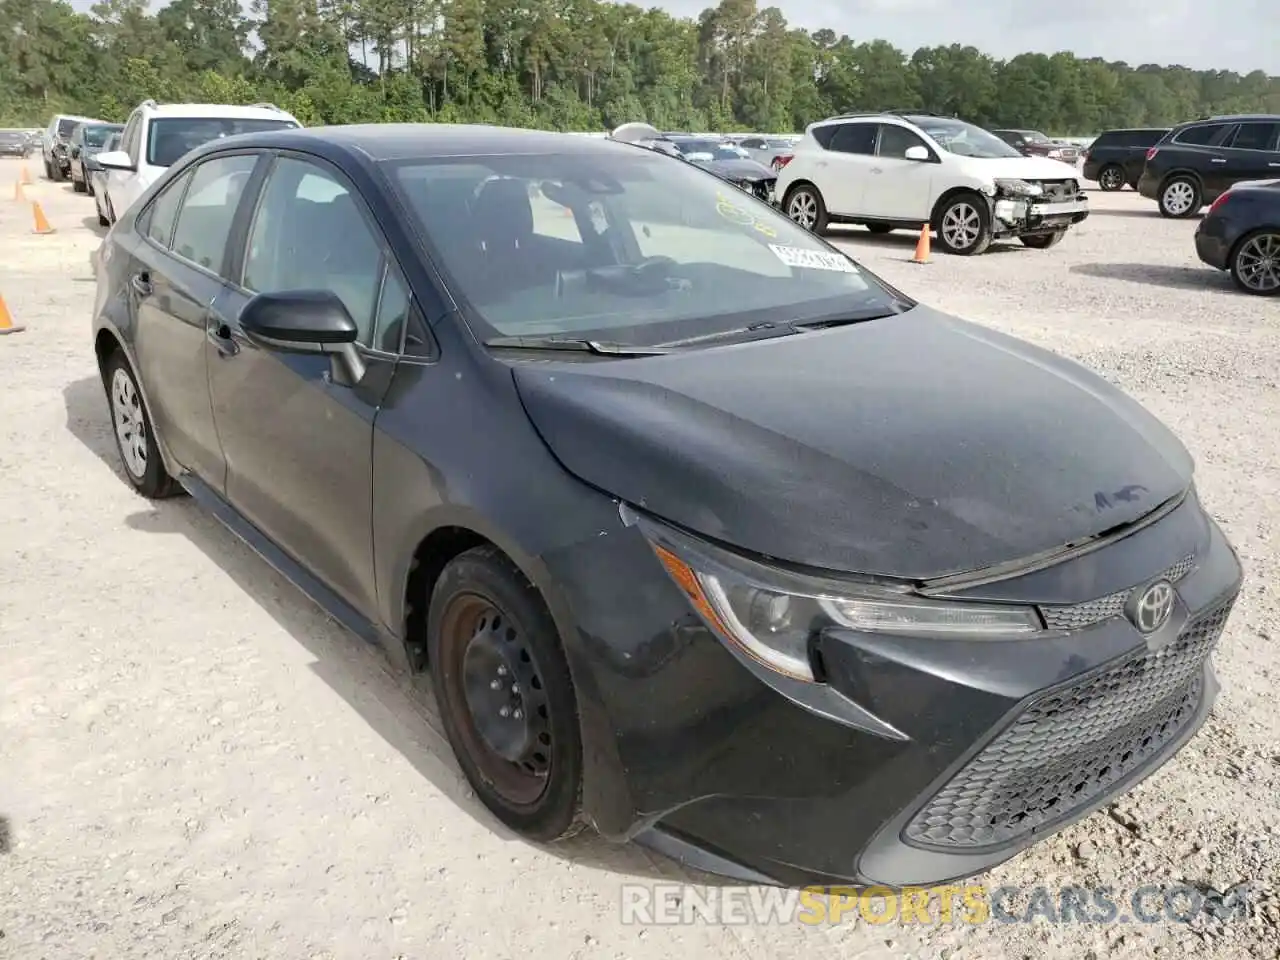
[(1221, 35)]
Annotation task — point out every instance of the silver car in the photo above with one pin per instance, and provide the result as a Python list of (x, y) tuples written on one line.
[(768, 150)]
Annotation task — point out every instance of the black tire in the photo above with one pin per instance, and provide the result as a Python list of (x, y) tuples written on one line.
[(1177, 191), (1043, 241), (879, 228), (806, 197), (483, 601), (111, 211), (58, 176), (102, 220), (153, 480), (1111, 177), (961, 208), (1260, 244), (79, 186), (48, 170)]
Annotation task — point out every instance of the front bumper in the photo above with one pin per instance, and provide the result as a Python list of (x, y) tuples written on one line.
[(944, 759), (1013, 216)]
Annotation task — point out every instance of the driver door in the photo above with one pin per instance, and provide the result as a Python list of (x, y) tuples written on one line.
[(900, 189)]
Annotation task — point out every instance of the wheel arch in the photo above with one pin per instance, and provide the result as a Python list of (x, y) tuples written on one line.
[(935, 215)]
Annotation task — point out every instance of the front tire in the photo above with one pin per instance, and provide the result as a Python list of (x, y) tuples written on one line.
[(963, 225), (79, 186), (1255, 264), (505, 694), (1180, 197), (1111, 178), (880, 229), (1043, 241), (804, 205), (135, 437)]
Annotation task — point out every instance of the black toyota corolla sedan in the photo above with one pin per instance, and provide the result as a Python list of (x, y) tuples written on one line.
[(707, 537)]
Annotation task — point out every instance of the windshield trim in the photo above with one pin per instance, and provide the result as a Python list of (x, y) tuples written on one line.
[(648, 332)]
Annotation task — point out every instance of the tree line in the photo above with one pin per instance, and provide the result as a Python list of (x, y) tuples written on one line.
[(561, 64)]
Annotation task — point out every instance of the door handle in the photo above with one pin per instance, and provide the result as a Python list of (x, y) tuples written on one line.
[(141, 283), (1218, 160), (1273, 164), (220, 336)]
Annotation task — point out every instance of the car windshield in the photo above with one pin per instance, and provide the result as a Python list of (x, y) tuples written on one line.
[(724, 152), (172, 137), (698, 146), (7, 136), (622, 245), (97, 136), (65, 127), (964, 139), (778, 144)]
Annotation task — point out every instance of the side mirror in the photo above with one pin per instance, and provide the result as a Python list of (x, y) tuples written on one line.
[(116, 160), (306, 321), (916, 153)]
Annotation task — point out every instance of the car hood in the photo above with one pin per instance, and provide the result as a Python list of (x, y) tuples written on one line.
[(1025, 168), (743, 169), (915, 446)]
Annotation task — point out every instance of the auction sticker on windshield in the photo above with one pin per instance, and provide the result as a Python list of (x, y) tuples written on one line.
[(813, 259)]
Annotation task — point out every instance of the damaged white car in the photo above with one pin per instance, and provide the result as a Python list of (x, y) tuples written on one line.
[(889, 171)]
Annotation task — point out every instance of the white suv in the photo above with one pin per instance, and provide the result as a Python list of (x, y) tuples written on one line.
[(904, 170), (156, 135)]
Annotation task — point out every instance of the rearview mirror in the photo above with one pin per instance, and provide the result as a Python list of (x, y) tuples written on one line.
[(306, 321), (916, 153), (115, 160)]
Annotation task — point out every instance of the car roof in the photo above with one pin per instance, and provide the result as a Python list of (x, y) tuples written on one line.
[(1231, 118), (411, 141), (220, 111)]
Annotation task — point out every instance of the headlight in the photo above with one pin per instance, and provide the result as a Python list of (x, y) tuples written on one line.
[(1018, 188), (773, 616)]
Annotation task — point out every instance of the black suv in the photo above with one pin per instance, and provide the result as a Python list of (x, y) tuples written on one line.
[(1116, 157), (1198, 161)]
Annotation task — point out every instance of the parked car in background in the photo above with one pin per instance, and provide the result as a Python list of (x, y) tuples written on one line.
[(720, 157), (887, 622), (1241, 234), (14, 143), (769, 151), (56, 144), (156, 135), (888, 171), (1196, 162), (1116, 157), (98, 185), (87, 141), (1033, 143)]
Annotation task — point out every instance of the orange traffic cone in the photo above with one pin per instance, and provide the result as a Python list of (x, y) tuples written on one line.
[(7, 325), (25, 176), (41, 221), (17, 192), (922, 246)]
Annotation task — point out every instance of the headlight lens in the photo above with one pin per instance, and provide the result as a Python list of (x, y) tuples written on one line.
[(1019, 188), (774, 616)]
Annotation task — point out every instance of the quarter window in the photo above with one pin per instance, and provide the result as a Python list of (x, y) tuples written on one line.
[(204, 222), (309, 234)]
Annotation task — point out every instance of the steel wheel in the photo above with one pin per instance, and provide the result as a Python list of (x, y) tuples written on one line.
[(1111, 178), (131, 424), (1180, 198), (499, 704), (1256, 265)]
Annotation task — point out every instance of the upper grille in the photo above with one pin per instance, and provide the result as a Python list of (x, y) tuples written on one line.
[(1057, 191), (1080, 615), (1072, 746)]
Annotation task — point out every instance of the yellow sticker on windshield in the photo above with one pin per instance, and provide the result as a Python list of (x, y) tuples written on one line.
[(742, 216)]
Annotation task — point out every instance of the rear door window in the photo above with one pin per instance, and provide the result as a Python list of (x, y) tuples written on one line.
[(857, 138), (1204, 135), (204, 222)]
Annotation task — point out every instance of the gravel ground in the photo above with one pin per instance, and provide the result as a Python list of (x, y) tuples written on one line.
[(198, 764)]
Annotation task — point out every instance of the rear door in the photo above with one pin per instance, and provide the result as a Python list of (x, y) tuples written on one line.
[(846, 166), (1253, 152), (298, 444), (175, 280)]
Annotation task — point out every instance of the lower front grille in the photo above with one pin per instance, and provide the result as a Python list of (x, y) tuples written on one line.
[(1072, 746), (1058, 191)]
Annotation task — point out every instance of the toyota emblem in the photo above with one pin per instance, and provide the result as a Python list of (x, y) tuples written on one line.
[(1152, 610)]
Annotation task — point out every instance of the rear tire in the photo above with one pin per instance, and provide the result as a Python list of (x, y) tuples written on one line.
[(505, 694), (1043, 241), (1111, 178), (1255, 263), (879, 228), (79, 186), (48, 170), (135, 436), (804, 205), (1180, 198), (963, 225)]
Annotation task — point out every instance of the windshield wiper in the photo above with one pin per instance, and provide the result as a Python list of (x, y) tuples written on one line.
[(766, 330), (892, 309), (604, 348)]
